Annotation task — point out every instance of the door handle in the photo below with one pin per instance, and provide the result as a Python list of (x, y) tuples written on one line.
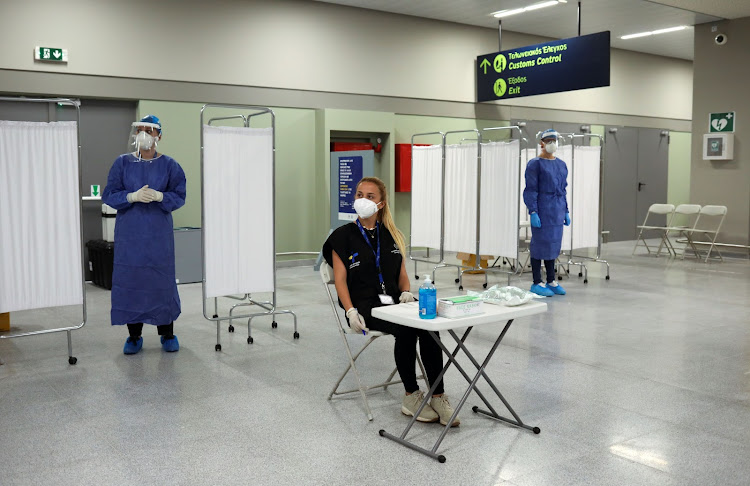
[(641, 184)]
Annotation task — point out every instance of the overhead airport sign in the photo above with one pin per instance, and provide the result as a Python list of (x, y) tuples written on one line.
[(51, 54), (552, 67)]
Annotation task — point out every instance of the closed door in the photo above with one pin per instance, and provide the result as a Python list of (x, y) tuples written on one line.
[(653, 162), (635, 176), (620, 182)]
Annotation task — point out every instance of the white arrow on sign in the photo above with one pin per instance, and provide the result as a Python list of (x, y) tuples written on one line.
[(57, 54)]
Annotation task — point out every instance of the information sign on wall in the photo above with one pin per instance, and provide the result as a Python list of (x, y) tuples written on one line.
[(350, 173), (721, 122), (552, 67), (51, 54)]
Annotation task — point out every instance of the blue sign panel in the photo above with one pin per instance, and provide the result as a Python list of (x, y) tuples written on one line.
[(552, 67), (350, 173)]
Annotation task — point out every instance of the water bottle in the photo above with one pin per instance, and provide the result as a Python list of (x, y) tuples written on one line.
[(427, 299)]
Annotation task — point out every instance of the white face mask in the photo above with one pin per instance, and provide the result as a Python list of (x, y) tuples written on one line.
[(550, 147), (144, 141), (365, 207)]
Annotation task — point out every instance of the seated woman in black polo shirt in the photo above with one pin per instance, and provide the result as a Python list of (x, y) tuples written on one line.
[(353, 251)]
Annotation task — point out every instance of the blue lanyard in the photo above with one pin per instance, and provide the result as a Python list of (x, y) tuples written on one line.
[(376, 252)]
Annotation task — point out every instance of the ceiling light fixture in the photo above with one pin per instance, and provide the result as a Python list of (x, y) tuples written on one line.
[(654, 32), (508, 13)]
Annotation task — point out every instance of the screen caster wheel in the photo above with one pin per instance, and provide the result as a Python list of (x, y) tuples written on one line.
[(217, 347), (607, 277), (296, 335), (484, 285), (231, 328), (72, 360), (249, 340), (457, 280), (416, 277), (274, 325)]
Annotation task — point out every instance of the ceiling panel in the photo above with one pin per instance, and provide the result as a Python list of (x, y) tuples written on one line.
[(621, 17)]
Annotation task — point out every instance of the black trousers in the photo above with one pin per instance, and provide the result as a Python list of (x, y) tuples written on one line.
[(405, 351), (536, 270), (136, 330)]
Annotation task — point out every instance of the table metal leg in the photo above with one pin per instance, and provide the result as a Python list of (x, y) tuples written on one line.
[(472, 387), (492, 413)]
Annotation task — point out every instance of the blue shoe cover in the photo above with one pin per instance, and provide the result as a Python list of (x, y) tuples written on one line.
[(170, 345), (132, 347), (543, 291), (557, 289)]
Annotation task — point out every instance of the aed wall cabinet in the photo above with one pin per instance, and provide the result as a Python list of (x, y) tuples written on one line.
[(718, 146)]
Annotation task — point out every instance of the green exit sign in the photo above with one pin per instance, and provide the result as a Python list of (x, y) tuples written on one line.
[(51, 54)]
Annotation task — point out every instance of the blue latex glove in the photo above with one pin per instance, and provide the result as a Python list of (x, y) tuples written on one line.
[(535, 221), (567, 219)]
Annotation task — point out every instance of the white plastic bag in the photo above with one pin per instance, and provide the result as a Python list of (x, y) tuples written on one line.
[(507, 296)]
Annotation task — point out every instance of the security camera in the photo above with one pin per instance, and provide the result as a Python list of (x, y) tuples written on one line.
[(720, 39)]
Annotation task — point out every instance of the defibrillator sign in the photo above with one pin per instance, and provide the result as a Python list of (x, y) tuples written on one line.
[(552, 67)]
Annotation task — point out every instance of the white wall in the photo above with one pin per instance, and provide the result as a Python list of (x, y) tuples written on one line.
[(307, 45)]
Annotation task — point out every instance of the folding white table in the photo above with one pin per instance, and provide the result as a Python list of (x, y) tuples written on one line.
[(408, 315)]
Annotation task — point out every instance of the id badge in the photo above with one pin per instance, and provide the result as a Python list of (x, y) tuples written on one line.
[(386, 299)]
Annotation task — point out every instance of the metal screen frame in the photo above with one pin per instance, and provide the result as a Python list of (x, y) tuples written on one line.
[(269, 307), (67, 101)]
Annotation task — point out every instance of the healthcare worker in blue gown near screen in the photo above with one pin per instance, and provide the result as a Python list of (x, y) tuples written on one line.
[(145, 186), (545, 198)]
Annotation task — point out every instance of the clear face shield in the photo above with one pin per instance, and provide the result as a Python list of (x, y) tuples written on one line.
[(143, 137)]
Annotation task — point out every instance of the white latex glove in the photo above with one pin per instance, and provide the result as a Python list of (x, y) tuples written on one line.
[(406, 297), (158, 196), (356, 321), (142, 195)]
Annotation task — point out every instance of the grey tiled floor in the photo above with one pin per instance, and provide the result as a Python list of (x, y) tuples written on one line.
[(640, 380)]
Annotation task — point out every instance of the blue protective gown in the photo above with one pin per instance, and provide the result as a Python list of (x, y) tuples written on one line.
[(545, 194), (143, 278)]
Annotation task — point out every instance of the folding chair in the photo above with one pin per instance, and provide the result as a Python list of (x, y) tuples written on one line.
[(326, 274), (691, 212), (706, 227), (656, 210)]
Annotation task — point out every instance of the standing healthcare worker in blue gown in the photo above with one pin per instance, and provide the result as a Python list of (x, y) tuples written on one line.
[(145, 187), (545, 198)]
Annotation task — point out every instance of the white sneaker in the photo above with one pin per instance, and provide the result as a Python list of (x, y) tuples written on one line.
[(411, 403)]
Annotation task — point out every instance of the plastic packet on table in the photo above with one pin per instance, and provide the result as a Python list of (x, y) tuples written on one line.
[(508, 296)]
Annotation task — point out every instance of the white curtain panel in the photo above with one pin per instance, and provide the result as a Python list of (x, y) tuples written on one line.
[(526, 155), (461, 198), (238, 208), (426, 197), (499, 199), (585, 208), (565, 153), (40, 240)]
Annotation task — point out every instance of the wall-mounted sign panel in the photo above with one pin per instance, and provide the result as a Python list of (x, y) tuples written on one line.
[(721, 122), (51, 54), (552, 67)]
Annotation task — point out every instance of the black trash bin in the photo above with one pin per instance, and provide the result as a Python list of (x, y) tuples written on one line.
[(101, 261)]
